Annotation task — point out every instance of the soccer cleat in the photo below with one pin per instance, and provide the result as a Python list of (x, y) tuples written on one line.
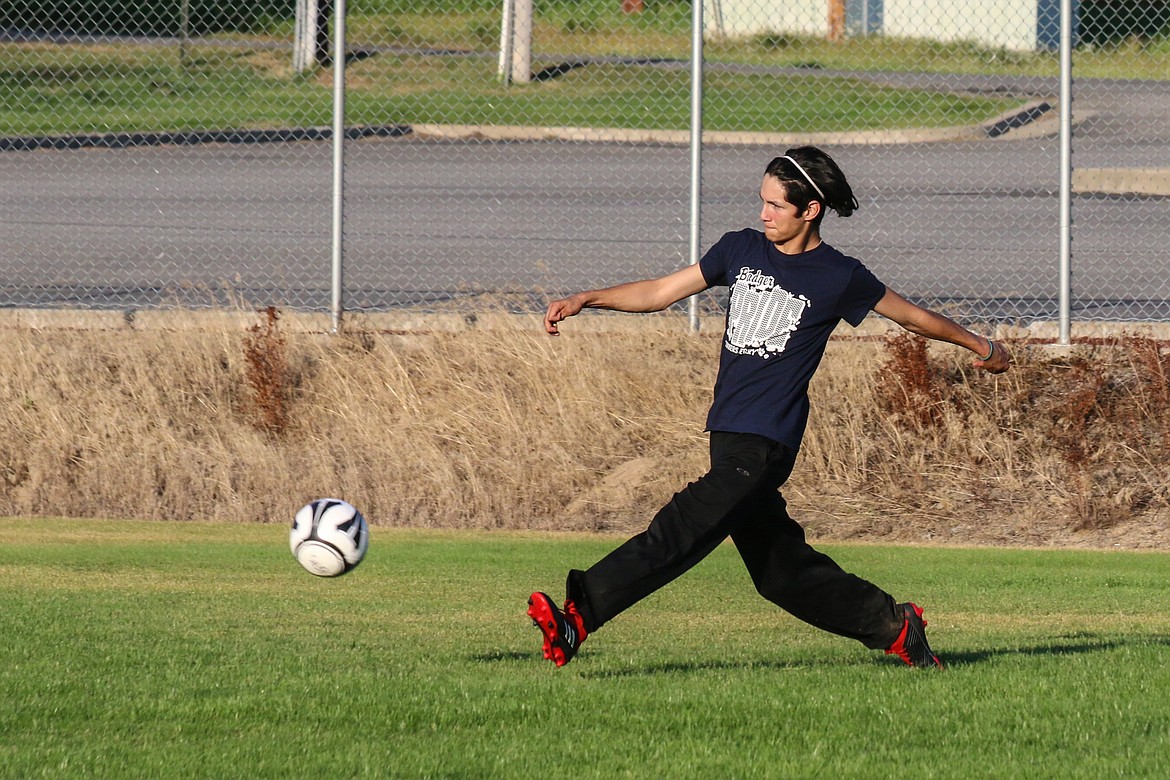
[(563, 631), (911, 645)]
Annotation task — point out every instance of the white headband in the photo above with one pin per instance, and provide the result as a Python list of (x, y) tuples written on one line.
[(806, 177)]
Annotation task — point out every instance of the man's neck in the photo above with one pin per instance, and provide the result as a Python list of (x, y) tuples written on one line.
[(798, 244)]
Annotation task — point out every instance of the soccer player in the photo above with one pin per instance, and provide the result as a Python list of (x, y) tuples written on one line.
[(788, 292)]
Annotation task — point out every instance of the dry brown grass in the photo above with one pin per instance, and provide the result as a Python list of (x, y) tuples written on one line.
[(504, 427)]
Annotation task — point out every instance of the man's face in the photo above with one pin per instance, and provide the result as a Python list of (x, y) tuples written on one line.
[(782, 222)]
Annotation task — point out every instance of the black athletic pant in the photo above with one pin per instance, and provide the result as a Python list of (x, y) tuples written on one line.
[(739, 497)]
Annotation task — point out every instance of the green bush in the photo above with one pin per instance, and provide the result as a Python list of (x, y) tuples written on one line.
[(139, 17)]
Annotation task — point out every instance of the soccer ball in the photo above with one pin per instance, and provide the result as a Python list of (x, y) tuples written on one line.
[(329, 537)]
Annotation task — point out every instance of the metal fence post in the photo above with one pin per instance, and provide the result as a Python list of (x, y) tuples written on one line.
[(507, 27), (336, 301), (184, 30), (696, 190), (1066, 98)]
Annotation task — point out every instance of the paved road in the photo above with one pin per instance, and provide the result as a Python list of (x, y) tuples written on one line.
[(428, 221)]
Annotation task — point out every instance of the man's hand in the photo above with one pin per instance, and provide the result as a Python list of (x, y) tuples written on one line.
[(560, 310), (998, 361), (642, 296)]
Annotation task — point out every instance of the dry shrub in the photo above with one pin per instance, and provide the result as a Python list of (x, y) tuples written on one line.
[(481, 428), (504, 427), (1150, 359), (267, 372), (907, 389), (120, 424), (1065, 448)]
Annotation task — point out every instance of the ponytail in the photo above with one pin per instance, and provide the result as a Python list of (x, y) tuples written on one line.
[(809, 174)]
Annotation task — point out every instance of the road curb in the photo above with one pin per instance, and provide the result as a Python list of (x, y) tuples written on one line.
[(1122, 181), (1008, 124), (431, 132), (1036, 119), (191, 138), (1004, 125)]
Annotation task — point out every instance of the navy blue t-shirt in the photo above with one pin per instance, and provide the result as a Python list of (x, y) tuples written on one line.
[(781, 312)]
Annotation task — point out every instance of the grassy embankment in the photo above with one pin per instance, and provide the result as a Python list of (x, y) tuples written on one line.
[(498, 426), (107, 87)]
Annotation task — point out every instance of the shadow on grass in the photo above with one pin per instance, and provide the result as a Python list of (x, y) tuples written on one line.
[(688, 667), (501, 656), (556, 71), (1061, 646), (1077, 644), (666, 667)]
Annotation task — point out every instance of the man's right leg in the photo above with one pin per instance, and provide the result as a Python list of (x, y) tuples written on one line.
[(684, 531)]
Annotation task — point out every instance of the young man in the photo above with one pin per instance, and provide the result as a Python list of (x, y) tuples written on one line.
[(788, 291)]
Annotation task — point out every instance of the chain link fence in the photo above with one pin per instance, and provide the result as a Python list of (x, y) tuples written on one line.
[(1122, 153), (178, 152)]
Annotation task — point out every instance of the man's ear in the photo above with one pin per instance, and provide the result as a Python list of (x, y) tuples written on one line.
[(813, 211)]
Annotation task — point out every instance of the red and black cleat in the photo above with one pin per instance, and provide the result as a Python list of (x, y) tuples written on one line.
[(911, 645), (563, 631)]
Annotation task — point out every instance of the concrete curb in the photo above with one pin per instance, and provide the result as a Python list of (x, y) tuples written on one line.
[(1008, 124), (682, 137), (408, 323), (192, 138), (440, 132), (1036, 119), (1122, 181), (1005, 125)]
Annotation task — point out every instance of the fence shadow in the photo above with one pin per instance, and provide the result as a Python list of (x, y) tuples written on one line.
[(1078, 645)]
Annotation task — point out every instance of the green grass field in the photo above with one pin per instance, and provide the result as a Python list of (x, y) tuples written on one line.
[(132, 90), (138, 649), (98, 88)]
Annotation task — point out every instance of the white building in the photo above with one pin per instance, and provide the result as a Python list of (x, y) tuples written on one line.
[(1022, 25)]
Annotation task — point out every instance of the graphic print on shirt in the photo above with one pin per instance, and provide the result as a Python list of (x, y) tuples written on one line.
[(762, 315)]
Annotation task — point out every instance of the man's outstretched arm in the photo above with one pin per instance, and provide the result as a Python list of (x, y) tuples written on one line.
[(990, 356), (644, 296)]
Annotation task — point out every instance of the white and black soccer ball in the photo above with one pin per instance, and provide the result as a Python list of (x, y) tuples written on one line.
[(329, 537)]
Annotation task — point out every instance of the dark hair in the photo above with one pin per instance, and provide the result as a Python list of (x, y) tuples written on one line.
[(821, 168)]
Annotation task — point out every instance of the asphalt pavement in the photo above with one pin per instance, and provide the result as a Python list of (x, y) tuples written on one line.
[(958, 215)]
